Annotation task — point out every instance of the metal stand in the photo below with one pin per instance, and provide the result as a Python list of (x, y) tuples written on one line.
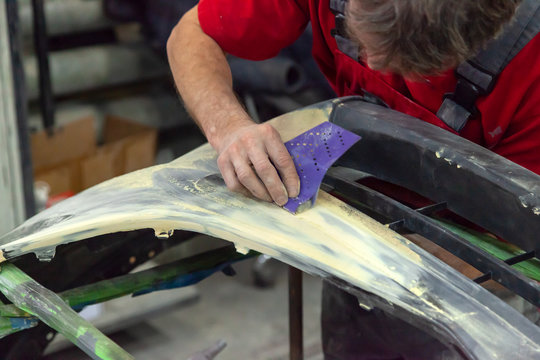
[(42, 52), (296, 338)]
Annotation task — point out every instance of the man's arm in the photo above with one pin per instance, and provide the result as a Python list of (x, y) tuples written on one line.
[(250, 155)]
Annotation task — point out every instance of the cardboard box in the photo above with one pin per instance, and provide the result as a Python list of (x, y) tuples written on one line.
[(60, 179), (105, 163), (70, 142), (72, 161)]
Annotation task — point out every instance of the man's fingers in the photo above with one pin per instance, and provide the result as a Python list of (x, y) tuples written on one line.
[(229, 176), (268, 175), (284, 164), (247, 177)]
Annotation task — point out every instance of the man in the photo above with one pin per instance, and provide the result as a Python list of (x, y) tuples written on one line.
[(406, 54)]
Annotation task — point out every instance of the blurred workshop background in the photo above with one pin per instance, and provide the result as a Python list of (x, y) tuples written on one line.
[(87, 95)]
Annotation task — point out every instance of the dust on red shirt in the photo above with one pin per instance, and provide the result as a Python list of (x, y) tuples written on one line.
[(508, 122)]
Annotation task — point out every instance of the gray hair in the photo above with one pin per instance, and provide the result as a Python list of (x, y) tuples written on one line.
[(422, 37)]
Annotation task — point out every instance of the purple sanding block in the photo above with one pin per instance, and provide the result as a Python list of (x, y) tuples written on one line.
[(313, 153)]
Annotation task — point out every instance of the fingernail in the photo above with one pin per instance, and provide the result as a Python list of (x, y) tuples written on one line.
[(297, 189), (283, 198)]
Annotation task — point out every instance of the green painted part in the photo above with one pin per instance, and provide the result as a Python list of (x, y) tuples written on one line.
[(6, 328), (43, 303), (80, 332), (497, 248), (132, 283), (15, 277), (12, 311)]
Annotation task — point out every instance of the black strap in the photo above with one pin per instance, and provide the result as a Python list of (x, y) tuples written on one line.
[(344, 44), (338, 6), (477, 76)]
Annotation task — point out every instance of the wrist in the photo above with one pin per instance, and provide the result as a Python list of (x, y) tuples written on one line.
[(218, 134)]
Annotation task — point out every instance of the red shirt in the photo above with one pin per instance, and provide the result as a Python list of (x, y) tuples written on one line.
[(509, 117)]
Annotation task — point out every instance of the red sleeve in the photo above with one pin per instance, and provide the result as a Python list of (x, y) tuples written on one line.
[(522, 141), (253, 29), (511, 113)]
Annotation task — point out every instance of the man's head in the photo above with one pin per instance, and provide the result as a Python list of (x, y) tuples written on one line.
[(424, 37)]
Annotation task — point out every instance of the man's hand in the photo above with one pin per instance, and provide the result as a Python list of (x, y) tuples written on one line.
[(250, 155), (252, 158)]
